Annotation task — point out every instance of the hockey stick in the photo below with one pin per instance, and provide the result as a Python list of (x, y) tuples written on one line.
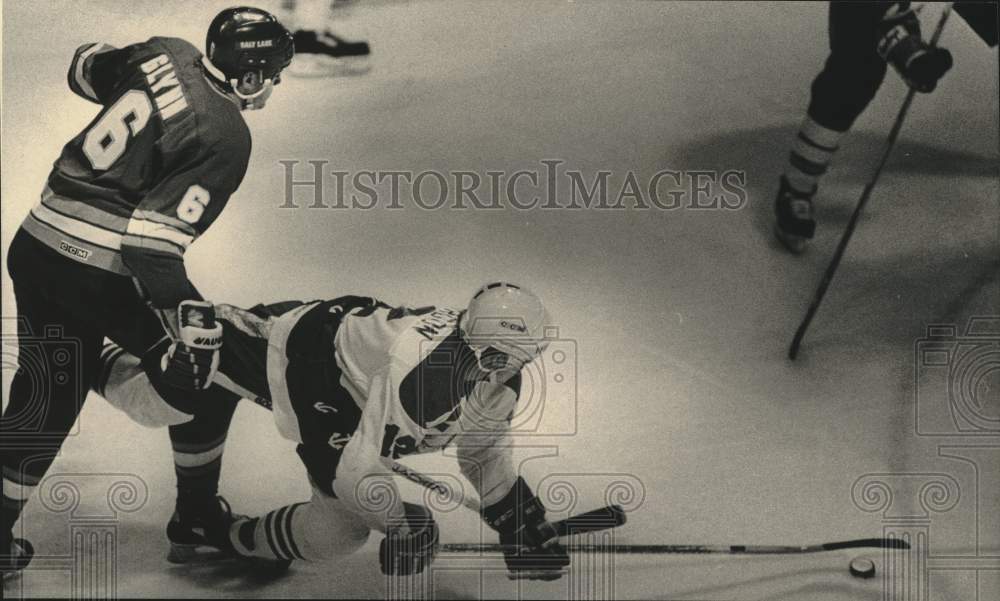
[(793, 350), (610, 516), (861, 543), (613, 516)]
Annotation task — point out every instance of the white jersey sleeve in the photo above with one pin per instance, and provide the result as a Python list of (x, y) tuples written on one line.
[(402, 368), (484, 443)]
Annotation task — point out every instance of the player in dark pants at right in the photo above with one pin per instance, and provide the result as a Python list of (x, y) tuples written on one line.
[(102, 253), (865, 37)]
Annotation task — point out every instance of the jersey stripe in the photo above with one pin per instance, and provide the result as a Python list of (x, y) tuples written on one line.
[(150, 229), (84, 212), (145, 243), (173, 222), (80, 229), (71, 246)]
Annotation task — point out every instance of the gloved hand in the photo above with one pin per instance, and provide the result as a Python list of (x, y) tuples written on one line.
[(410, 547), (192, 359), (917, 62), (534, 552)]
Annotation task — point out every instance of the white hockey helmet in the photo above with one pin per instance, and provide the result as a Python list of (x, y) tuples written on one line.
[(506, 319)]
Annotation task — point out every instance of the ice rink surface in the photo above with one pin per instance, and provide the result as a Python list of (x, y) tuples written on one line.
[(680, 319)]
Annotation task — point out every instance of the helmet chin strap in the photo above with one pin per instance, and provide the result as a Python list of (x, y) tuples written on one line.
[(250, 101)]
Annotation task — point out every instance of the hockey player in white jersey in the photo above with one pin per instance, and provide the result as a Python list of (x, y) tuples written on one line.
[(353, 380)]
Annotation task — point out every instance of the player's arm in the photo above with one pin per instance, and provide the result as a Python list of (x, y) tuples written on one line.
[(366, 486), (95, 70), (510, 507), (484, 445), (173, 214)]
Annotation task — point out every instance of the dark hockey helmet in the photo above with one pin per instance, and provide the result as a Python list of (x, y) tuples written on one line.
[(244, 40)]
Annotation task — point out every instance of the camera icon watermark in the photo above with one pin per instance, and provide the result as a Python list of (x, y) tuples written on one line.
[(545, 387), (957, 379), (46, 367)]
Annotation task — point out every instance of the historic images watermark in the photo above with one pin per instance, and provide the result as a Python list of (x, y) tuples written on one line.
[(314, 184)]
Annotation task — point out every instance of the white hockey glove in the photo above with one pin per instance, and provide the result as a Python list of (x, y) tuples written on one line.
[(193, 358)]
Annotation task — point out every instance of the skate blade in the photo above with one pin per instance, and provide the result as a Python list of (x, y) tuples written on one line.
[(795, 244), (182, 554), (201, 554), (537, 574), (310, 66)]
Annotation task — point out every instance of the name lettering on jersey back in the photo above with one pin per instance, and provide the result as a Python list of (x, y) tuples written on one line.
[(431, 325), (167, 91)]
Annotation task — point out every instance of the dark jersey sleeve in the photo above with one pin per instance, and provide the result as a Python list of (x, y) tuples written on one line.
[(96, 70), (176, 211)]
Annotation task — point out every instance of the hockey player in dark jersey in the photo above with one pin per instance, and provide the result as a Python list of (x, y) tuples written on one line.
[(101, 255), (353, 380), (865, 37)]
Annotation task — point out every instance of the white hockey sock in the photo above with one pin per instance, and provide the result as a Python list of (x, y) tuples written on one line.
[(269, 536), (811, 154)]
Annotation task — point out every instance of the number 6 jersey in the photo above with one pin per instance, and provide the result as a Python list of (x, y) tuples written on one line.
[(151, 172)]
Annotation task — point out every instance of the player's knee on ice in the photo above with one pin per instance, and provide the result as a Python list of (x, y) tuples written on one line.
[(124, 384), (328, 528)]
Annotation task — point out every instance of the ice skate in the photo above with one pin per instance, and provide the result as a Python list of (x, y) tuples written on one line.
[(325, 54), (794, 225), (17, 557), (203, 536)]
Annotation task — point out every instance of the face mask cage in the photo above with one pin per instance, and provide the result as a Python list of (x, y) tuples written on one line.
[(253, 89), (492, 358)]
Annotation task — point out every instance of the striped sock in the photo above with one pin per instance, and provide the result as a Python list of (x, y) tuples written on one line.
[(269, 536), (811, 154), (17, 489), (198, 468), (109, 354)]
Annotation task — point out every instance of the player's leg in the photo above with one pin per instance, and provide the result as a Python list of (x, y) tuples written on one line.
[(197, 444), (849, 80), (197, 450), (340, 516), (199, 422), (125, 385), (324, 526), (57, 352), (316, 530)]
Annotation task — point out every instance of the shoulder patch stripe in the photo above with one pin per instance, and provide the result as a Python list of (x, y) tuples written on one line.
[(81, 81)]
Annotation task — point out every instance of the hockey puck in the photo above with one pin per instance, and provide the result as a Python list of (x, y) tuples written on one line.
[(862, 568)]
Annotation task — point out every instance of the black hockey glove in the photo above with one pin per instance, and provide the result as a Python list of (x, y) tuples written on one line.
[(535, 552), (193, 358), (917, 62), (410, 549)]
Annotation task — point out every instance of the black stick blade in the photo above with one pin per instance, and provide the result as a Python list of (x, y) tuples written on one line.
[(872, 543), (603, 518)]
